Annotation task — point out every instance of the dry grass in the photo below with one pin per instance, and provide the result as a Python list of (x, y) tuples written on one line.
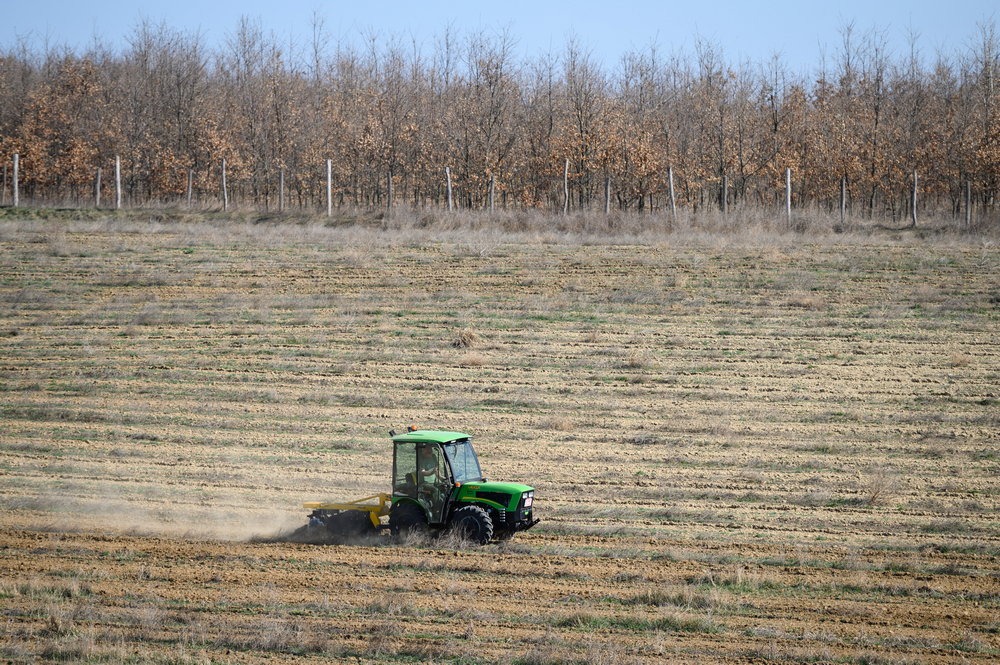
[(878, 486), (810, 301), (472, 360), (959, 360), (557, 423), (466, 338), (638, 359)]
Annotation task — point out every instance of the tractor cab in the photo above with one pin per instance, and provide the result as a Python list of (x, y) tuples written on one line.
[(428, 465)]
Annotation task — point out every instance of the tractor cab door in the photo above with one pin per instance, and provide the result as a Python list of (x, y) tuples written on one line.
[(421, 473)]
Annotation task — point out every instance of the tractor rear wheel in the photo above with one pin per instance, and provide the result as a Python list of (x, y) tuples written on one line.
[(472, 523), (406, 519)]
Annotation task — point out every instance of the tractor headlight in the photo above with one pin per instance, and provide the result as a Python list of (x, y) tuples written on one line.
[(527, 498)]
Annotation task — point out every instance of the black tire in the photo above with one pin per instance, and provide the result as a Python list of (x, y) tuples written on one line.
[(472, 523), (406, 519)]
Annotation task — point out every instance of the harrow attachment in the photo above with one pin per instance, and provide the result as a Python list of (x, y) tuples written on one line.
[(346, 522)]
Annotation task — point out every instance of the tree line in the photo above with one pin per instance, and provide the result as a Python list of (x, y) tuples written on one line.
[(392, 116)]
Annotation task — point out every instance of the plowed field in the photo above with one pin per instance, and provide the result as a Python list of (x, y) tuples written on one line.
[(750, 449)]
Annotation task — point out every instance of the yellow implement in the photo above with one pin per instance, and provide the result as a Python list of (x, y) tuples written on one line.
[(375, 510)]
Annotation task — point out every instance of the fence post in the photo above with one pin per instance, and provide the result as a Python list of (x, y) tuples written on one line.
[(97, 189), (788, 196), (118, 182), (281, 190), (968, 203), (673, 199), (843, 198), (607, 194), (566, 187), (225, 189), (447, 175), (329, 188), (913, 201), (17, 195), (190, 186)]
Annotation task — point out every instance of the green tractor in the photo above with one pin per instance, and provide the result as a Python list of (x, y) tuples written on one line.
[(437, 485)]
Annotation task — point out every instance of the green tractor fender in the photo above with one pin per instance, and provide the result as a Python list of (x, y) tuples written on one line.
[(405, 500)]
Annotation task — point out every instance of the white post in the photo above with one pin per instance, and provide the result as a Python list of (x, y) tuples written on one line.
[(968, 203), (566, 187), (190, 186), (447, 175), (225, 189), (673, 200), (843, 198), (329, 188), (97, 189), (607, 194), (17, 196), (788, 196), (118, 182), (281, 190)]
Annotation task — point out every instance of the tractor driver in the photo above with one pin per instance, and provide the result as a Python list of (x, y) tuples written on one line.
[(429, 475)]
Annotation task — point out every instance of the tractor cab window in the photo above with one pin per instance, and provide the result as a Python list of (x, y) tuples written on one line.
[(430, 466), (404, 476), (463, 460), (420, 472)]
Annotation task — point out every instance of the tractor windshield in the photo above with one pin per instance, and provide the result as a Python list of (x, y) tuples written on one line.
[(463, 460)]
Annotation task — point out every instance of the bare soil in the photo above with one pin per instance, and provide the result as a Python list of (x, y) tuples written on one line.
[(746, 449)]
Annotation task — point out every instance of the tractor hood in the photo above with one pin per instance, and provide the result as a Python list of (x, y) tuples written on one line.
[(500, 488), (501, 496)]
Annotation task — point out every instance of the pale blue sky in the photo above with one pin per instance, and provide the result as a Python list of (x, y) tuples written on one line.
[(799, 31)]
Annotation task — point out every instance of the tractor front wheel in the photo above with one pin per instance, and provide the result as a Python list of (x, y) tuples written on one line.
[(406, 519), (472, 523)]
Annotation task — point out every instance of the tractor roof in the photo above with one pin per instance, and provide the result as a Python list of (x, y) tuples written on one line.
[(428, 436)]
